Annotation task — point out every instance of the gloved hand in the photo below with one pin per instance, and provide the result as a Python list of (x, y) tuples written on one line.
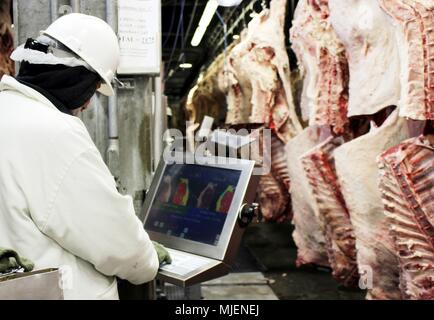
[(163, 255), (10, 260)]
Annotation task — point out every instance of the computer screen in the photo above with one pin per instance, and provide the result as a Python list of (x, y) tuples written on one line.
[(192, 202)]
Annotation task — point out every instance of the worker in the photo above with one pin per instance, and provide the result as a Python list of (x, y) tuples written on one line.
[(59, 205)]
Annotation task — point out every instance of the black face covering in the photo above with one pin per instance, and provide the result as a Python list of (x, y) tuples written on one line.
[(68, 88)]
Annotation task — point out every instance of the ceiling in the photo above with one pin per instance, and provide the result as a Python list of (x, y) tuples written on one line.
[(179, 22)]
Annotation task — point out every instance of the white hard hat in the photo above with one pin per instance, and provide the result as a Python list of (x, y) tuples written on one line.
[(93, 40)]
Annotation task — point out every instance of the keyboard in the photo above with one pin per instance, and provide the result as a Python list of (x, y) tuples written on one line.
[(183, 263)]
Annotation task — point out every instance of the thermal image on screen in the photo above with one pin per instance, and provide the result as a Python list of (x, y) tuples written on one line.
[(181, 196), (192, 202), (225, 200)]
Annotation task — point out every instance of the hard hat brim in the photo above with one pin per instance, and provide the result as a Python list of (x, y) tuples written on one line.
[(106, 89)]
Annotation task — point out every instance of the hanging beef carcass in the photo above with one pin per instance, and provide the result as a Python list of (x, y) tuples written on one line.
[(376, 258), (259, 92), (406, 177), (273, 190), (259, 76), (414, 20), (237, 85), (207, 102), (208, 99), (322, 59), (374, 85), (407, 185), (308, 234), (334, 218), (273, 199), (368, 36), (6, 39), (324, 101)]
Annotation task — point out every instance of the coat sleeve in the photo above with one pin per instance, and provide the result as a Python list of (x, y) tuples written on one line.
[(89, 218)]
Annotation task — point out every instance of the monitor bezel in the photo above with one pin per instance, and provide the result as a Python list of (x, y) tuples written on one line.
[(218, 252)]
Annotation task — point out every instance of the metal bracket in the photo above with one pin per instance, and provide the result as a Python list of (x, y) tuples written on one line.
[(125, 83)]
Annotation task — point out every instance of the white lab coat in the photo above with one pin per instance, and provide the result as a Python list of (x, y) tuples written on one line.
[(59, 205)]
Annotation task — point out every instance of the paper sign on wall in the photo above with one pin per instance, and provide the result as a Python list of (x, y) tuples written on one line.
[(139, 31)]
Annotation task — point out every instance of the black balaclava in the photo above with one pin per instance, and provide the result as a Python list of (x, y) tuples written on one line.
[(68, 88)]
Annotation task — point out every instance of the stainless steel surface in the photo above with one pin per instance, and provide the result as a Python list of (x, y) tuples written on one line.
[(37, 285), (216, 270)]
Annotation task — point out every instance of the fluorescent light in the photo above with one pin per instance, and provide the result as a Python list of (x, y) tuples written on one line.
[(208, 13), (235, 36), (198, 35), (204, 22), (186, 65), (229, 3)]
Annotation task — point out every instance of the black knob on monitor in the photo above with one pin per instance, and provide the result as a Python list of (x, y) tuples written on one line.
[(247, 213)]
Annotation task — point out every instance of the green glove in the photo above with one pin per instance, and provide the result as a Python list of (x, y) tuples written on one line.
[(10, 260), (163, 255)]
